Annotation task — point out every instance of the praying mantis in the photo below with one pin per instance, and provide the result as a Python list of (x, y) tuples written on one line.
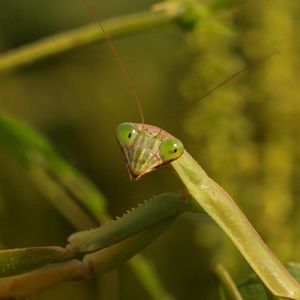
[(146, 148)]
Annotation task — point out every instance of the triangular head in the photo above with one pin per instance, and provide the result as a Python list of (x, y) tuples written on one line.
[(146, 147)]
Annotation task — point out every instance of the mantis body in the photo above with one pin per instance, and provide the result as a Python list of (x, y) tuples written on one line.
[(147, 147)]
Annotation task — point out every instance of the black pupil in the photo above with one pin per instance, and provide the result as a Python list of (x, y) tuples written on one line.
[(129, 135), (175, 150)]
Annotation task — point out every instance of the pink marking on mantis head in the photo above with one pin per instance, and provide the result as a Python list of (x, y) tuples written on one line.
[(146, 147)]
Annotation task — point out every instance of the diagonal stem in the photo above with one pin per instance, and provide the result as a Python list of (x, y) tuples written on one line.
[(82, 36)]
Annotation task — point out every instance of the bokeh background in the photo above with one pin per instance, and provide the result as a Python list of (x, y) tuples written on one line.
[(246, 135)]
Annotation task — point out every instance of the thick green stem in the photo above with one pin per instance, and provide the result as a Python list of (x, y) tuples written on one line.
[(85, 35), (221, 207)]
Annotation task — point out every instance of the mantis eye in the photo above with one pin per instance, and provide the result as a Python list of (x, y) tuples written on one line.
[(170, 149), (126, 133)]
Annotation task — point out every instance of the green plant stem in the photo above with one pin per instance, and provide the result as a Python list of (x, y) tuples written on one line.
[(221, 207), (227, 283), (144, 270), (85, 35)]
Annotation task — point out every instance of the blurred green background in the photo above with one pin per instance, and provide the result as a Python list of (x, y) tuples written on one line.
[(246, 135)]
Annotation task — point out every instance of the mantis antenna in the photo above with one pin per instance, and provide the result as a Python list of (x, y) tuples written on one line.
[(223, 82), (118, 58)]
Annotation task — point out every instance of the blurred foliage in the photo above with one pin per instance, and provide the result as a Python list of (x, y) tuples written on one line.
[(246, 135)]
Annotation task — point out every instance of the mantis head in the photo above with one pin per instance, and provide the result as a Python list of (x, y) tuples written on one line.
[(146, 147)]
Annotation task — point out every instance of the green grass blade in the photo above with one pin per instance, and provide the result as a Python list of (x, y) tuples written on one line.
[(144, 269), (227, 283), (53, 175)]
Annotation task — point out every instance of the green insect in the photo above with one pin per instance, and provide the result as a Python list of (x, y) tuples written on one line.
[(145, 148)]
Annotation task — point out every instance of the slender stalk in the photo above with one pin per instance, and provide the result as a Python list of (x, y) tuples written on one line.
[(221, 207), (227, 282), (144, 269), (85, 35)]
